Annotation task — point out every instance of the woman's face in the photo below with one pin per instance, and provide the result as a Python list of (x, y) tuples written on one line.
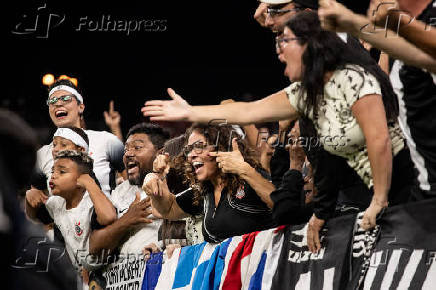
[(65, 113), (60, 143), (204, 165), (291, 53)]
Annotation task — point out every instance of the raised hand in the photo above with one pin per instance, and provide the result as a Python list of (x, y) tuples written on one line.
[(260, 14), (112, 117), (335, 16), (154, 185), (230, 162), (161, 164), (175, 110), (296, 151), (35, 197), (382, 12)]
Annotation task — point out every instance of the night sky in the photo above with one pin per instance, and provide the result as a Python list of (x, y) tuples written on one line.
[(206, 50)]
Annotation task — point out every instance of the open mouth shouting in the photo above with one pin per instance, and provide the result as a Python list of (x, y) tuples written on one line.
[(132, 168), (197, 166), (61, 114)]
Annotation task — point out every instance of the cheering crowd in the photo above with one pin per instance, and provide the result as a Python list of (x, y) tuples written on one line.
[(352, 132)]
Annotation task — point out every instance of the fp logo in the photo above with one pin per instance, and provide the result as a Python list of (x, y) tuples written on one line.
[(38, 24)]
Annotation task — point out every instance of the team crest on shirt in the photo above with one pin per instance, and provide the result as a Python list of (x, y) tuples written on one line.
[(240, 193), (78, 229)]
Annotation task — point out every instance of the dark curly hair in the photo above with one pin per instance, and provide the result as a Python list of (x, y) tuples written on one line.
[(221, 136), (157, 135)]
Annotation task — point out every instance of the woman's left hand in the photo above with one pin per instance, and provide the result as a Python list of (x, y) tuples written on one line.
[(230, 162), (370, 215)]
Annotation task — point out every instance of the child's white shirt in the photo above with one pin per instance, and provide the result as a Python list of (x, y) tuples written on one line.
[(74, 225)]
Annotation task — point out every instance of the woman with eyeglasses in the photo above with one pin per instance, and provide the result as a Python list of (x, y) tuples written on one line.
[(66, 106), (343, 92), (227, 179)]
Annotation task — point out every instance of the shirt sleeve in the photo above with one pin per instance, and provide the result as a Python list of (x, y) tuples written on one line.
[(294, 96), (115, 152), (185, 201), (358, 83), (52, 204)]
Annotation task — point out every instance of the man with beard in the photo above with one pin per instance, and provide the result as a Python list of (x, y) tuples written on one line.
[(136, 226)]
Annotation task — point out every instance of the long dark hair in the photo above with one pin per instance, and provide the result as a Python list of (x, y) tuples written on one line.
[(326, 52)]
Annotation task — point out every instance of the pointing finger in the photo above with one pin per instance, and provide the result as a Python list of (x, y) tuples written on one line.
[(235, 144)]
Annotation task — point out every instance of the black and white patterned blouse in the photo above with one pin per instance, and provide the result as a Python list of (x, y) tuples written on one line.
[(337, 128)]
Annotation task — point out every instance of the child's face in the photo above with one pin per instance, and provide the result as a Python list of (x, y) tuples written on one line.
[(60, 143), (64, 177)]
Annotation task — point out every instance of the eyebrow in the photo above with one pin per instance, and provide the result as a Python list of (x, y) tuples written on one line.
[(135, 141)]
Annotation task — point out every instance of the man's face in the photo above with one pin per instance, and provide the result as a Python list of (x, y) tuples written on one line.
[(139, 154), (278, 14)]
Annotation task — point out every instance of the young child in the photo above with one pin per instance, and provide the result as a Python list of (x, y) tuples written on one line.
[(68, 138), (76, 198)]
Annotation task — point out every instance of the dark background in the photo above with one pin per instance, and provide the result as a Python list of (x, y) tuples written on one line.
[(209, 51)]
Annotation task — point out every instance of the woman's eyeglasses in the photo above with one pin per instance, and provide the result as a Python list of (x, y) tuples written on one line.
[(281, 42), (196, 147), (65, 99)]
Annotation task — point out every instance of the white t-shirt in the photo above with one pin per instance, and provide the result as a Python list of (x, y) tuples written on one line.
[(337, 128), (74, 225), (106, 150), (122, 197)]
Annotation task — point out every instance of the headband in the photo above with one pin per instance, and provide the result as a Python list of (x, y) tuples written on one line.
[(68, 89), (69, 134)]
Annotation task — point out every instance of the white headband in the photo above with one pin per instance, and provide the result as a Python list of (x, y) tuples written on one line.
[(69, 134), (68, 89)]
